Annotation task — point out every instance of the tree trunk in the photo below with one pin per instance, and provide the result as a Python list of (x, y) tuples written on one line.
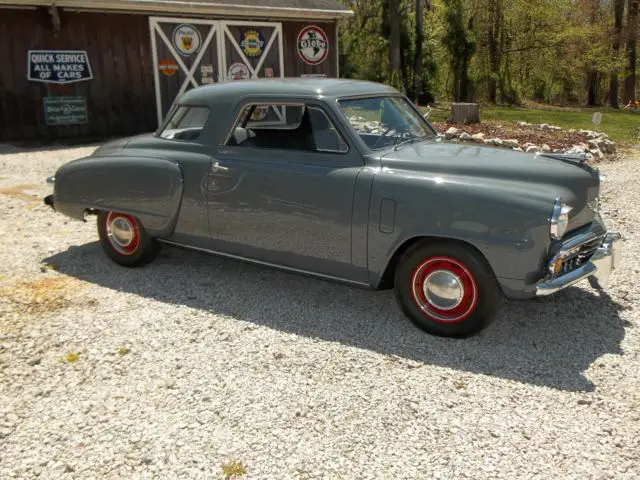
[(614, 83), (494, 48), (593, 84), (417, 56), (465, 113), (593, 78), (395, 62), (632, 40)]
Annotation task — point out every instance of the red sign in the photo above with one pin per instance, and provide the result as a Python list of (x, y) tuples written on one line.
[(169, 67)]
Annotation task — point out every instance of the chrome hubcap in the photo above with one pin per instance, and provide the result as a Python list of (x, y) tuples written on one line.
[(121, 233), (443, 289)]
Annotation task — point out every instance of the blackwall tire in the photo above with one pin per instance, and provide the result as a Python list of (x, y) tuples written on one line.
[(125, 241), (446, 289)]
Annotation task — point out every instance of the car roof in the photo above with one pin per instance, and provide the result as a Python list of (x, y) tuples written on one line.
[(302, 87)]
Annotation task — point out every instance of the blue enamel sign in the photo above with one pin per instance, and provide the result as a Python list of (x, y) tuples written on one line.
[(59, 66)]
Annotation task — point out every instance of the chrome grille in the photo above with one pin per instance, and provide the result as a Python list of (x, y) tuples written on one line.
[(579, 256)]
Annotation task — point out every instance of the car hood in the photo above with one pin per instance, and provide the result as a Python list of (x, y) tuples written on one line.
[(576, 183), (119, 144)]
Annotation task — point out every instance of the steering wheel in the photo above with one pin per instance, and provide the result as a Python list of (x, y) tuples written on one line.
[(384, 134)]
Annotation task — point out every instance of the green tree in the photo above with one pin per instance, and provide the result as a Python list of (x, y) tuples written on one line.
[(460, 42)]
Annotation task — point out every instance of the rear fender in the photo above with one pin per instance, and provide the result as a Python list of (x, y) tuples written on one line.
[(148, 188)]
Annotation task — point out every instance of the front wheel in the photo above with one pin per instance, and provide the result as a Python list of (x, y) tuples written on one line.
[(446, 289), (125, 241)]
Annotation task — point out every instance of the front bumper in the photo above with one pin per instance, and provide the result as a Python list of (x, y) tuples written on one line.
[(598, 267)]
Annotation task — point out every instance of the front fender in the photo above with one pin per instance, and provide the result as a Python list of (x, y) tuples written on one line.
[(506, 221), (148, 188)]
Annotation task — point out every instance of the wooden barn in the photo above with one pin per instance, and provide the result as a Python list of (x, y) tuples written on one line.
[(114, 67)]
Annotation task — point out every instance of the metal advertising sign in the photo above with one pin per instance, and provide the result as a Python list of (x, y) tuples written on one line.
[(169, 67), (58, 66), (313, 45), (238, 71), (187, 39), (65, 110), (252, 42)]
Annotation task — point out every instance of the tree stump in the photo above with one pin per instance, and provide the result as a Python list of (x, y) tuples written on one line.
[(465, 113)]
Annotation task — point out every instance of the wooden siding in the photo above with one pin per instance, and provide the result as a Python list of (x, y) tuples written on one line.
[(121, 97)]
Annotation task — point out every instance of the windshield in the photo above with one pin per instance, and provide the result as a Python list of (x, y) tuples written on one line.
[(384, 122)]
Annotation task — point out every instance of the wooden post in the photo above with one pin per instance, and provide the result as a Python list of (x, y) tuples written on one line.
[(465, 113)]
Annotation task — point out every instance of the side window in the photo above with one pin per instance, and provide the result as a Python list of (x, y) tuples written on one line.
[(325, 135), (286, 127), (186, 123)]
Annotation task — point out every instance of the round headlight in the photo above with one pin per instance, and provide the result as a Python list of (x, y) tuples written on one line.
[(559, 219)]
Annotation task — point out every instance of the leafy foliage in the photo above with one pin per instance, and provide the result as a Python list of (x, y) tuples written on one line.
[(504, 51)]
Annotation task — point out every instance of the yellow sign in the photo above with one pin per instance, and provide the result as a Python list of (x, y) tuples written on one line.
[(252, 43)]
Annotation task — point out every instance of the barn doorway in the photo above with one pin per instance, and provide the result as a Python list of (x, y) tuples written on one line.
[(188, 53)]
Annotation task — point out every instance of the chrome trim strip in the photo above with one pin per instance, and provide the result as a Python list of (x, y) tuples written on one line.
[(268, 264), (602, 263)]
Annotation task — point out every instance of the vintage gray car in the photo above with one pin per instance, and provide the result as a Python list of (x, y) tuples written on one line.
[(345, 180)]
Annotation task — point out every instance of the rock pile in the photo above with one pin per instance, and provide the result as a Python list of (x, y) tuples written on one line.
[(596, 144)]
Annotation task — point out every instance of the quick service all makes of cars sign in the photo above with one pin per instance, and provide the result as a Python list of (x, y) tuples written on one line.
[(58, 66)]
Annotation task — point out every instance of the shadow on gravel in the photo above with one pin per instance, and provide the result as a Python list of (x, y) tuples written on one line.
[(548, 342)]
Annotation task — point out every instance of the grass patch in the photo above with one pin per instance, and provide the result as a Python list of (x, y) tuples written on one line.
[(40, 296), (620, 125), (233, 469), (72, 357)]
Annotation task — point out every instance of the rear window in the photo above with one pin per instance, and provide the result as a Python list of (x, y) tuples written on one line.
[(186, 123)]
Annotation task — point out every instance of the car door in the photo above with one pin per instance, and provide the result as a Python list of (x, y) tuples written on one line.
[(278, 203)]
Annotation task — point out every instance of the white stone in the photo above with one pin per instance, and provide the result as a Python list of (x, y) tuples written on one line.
[(465, 137), (532, 149), (546, 148), (452, 132), (511, 143), (596, 153), (498, 142), (609, 146), (478, 137)]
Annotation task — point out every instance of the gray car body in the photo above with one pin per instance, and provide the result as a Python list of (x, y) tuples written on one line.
[(346, 217)]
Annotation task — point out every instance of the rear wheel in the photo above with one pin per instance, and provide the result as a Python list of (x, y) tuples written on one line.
[(446, 289), (124, 239)]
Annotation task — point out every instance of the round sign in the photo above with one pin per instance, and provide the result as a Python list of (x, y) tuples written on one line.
[(313, 45), (169, 67), (252, 43), (597, 118), (186, 39), (238, 71)]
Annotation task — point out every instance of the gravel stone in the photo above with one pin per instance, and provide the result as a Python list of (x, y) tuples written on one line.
[(295, 378)]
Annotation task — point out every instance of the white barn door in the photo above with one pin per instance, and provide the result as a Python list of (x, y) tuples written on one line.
[(186, 54)]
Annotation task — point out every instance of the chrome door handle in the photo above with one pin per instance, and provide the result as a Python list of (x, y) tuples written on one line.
[(216, 167)]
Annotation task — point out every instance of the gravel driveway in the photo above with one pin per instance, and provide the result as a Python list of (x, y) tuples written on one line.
[(195, 362)]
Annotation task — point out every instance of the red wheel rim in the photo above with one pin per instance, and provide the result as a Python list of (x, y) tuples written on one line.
[(123, 232), (444, 290)]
